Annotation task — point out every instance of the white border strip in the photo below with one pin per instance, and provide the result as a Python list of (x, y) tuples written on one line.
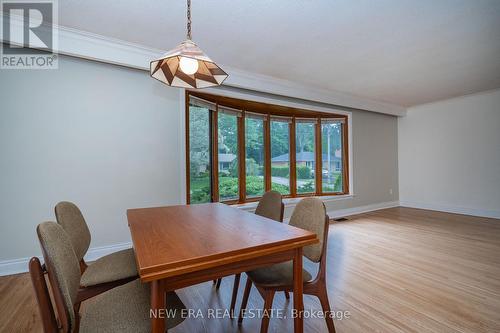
[(17, 266), (335, 214), (494, 214), (118, 52)]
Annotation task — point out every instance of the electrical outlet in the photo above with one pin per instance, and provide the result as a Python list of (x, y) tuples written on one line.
[(390, 191)]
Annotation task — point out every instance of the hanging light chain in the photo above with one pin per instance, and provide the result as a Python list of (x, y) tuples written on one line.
[(189, 19)]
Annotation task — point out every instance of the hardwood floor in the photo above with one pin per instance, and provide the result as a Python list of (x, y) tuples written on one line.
[(394, 270)]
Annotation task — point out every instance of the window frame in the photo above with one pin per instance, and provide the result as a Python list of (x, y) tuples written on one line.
[(289, 195), (215, 137), (267, 110)]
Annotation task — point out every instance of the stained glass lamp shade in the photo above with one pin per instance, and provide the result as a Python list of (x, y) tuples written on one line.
[(175, 67)]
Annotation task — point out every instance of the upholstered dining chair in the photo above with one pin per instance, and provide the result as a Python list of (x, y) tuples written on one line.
[(309, 214), (270, 206), (122, 309), (115, 267)]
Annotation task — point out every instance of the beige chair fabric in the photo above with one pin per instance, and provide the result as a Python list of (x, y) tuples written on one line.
[(270, 206), (122, 309), (62, 263), (113, 267), (126, 309), (70, 217), (310, 214), (276, 275)]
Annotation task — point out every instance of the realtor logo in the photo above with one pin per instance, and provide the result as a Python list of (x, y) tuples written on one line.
[(28, 35)]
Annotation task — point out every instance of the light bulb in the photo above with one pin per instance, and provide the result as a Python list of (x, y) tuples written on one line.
[(188, 65)]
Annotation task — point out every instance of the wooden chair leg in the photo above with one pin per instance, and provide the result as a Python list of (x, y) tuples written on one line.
[(287, 294), (325, 304), (268, 304), (42, 296), (244, 301), (235, 293), (217, 286)]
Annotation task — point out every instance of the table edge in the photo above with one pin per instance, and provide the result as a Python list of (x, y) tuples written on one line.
[(163, 271)]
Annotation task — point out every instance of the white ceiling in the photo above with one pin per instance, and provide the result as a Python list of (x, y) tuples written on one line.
[(397, 51)]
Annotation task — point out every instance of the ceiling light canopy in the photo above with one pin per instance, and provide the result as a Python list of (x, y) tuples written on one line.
[(187, 66)]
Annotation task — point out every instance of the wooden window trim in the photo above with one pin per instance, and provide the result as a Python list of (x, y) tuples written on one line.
[(267, 154), (293, 160), (188, 163), (242, 174), (267, 110), (214, 131), (318, 173), (345, 156)]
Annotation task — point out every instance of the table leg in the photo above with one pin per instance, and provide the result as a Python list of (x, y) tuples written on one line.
[(298, 285), (158, 303)]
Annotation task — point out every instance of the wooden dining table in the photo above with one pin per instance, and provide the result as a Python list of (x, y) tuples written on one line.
[(179, 246)]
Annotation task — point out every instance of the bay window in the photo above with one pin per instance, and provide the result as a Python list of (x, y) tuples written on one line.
[(237, 150)]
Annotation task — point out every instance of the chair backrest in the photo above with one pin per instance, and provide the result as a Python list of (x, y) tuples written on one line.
[(63, 269), (310, 214), (70, 217), (271, 206)]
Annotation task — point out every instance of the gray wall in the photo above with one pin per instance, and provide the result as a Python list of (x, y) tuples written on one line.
[(449, 155), (375, 160), (110, 138), (105, 137)]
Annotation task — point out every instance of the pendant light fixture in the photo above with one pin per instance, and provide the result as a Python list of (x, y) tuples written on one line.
[(187, 66)]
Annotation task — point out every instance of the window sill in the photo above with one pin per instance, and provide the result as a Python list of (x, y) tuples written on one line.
[(291, 202)]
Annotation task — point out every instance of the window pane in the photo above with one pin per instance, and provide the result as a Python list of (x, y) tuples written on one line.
[(305, 157), (331, 146), (199, 154), (280, 157), (228, 157), (254, 156)]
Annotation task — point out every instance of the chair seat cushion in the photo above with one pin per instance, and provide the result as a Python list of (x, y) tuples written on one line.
[(126, 309), (276, 275), (113, 267)]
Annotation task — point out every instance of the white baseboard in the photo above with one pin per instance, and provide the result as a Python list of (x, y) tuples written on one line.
[(100, 251), (16, 266), (335, 214), (494, 214)]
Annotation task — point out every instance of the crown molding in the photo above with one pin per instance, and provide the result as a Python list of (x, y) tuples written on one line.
[(95, 47)]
